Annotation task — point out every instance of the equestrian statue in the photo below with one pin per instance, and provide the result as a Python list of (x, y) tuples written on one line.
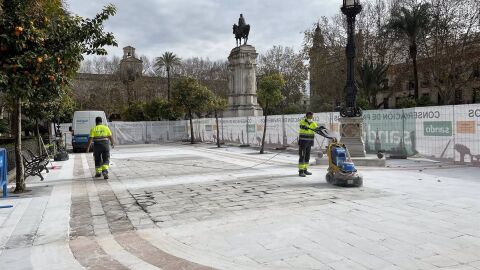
[(241, 31)]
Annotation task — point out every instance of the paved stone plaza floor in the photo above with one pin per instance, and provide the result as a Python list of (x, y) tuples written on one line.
[(181, 207)]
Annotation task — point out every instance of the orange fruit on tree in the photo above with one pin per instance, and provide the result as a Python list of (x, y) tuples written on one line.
[(18, 30)]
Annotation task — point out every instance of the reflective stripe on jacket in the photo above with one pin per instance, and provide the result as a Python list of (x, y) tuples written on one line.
[(306, 129)]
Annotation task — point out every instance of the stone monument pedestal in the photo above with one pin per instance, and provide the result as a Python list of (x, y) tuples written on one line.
[(351, 131), (242, 83)]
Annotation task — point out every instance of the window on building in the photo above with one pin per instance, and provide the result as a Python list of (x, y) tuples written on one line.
[(397, 100), (425, 83), (385, 103), (411, 85), (476, 70), (385, 84), (425, 80)]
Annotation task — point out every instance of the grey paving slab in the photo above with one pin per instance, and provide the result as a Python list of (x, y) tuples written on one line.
[(231, 209), (393, 213)]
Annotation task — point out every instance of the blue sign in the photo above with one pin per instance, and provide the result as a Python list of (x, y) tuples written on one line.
[(3, 174), (3, 171)]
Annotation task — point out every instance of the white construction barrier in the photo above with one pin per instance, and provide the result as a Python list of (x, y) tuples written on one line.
[(440, 132)]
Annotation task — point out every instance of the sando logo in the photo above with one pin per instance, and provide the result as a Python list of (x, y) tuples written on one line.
[(437, 128)]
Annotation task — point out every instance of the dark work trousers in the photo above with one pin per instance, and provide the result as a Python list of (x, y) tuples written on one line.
[(304, 147), (101, 153)]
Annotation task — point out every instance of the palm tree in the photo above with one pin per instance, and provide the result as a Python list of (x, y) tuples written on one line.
[(372, 78), (410, 24), (167, 60)]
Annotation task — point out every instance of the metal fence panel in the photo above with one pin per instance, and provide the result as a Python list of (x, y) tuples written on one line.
[(446, 133)]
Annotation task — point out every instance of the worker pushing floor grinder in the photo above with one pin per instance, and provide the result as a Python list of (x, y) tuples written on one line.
[(341, 170)]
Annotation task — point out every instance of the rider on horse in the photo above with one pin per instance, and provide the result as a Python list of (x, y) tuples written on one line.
[(241, 30), (241, 21)]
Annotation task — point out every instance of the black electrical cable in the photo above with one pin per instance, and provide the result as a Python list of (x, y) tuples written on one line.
[(207, 167)]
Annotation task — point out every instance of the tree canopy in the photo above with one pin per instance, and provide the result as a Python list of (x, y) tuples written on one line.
[(290, 64), (41, 47), (191, 97), (269, 91), (269, 95)]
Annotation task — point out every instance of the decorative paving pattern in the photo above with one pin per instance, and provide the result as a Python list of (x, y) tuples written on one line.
[(180, 207)]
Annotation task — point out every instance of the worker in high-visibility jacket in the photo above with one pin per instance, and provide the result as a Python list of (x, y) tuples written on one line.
[(101, 136), (305, 143)]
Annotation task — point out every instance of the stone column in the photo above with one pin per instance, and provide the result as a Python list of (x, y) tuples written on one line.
[(351, 131), (242, 84)]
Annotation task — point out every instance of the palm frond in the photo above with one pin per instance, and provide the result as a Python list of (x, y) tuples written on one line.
[(168, 60)]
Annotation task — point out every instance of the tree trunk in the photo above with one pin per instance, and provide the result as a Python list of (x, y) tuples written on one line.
[(39, 140), (192, 138), (218, 129), (264, 132), (129, 98), (168, 83), (372, 101), (20, 179), (413, 55)]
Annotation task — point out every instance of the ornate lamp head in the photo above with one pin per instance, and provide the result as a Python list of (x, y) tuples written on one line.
[(351, 7), (350, 3)]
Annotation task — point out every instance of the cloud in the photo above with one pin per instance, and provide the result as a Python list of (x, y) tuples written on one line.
[(203, 28)]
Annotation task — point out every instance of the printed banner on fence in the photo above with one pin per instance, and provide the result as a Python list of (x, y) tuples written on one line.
[(439, 132)]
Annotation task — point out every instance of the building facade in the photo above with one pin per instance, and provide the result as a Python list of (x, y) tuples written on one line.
[(456, 79), (113, 92)]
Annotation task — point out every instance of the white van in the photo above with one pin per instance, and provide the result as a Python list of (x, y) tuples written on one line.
[(83, 122)]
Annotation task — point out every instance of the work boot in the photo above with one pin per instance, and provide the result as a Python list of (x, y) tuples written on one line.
[(307, 172), (301, 173), (98, 174), (105, 174)]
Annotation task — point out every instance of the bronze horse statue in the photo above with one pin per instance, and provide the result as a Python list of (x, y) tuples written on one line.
[(241, 32)]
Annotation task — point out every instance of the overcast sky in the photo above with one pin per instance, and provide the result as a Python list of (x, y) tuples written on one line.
[(203, 28)]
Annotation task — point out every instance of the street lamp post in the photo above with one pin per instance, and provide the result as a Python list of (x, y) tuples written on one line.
[(351, 8), (351, 121)]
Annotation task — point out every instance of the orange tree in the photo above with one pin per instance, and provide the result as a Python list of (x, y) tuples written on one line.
[(41, 47), (191, 97), (217, 105), (269, 95)]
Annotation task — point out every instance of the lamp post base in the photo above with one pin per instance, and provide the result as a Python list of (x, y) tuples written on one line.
[(351, 131), (351, 112)]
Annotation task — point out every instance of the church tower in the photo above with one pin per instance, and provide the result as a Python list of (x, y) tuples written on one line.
[(130, 70), (130, 66), (318, 61)]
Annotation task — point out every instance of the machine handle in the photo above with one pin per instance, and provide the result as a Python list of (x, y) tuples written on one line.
[(323, 131)]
